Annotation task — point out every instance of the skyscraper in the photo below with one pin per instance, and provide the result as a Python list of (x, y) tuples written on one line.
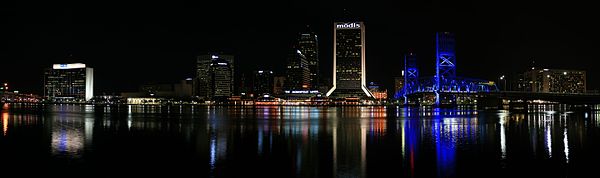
[(349, 73), (69, 83), (220, 83), (297, 71), (278, 85), (263, 82), (308, 45), (201, 86)]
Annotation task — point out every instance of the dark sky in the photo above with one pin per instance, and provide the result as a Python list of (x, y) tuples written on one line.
[(134, 43)]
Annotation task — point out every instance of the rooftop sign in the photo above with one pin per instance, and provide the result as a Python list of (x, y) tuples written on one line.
[(68, 66), (350, 25)]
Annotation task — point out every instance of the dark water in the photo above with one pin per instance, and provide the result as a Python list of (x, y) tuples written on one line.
[(137, 141)]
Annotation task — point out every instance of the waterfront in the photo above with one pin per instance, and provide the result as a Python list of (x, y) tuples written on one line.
[(298, 141)]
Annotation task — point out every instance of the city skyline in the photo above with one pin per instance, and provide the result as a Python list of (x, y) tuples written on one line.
[(123, 51), (299, 88)]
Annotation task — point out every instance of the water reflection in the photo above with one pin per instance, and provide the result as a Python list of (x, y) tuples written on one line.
[(303, 141), (70, 133), (547, 126), (566, 145), (503, 119), (409, 132), (4, 123)]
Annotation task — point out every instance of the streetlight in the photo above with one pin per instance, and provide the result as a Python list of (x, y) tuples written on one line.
[(502, 78)]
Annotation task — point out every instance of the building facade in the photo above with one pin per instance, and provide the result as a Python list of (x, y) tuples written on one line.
[(263, 82), (308, 45), (202, 80), (555, 81), (349, 70), (398, 83), (182, 89), (69, 83), (379, 93), (220, 79), (278, 85), (297, 71)]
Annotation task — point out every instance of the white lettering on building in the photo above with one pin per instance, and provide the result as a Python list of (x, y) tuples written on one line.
[(351, 25)]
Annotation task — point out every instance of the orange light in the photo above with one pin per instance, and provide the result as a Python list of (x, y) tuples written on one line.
[(4, 123)]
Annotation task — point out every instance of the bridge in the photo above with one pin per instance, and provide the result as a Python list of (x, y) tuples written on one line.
[(444, 87)]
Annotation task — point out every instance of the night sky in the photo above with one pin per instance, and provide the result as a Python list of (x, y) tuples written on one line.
[(132, 44)]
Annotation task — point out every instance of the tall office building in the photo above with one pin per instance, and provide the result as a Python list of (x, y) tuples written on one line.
[(278, 85), (69, 82), (308, 45), (349, 73), (220, 83), (244, 86), (297, 71), (555, 81), (202, 80), (263, 82)]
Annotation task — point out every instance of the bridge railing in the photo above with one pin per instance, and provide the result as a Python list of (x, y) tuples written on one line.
[(548, 93), (447, 85)]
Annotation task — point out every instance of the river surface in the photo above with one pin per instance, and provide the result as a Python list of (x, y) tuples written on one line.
[(297, 141)]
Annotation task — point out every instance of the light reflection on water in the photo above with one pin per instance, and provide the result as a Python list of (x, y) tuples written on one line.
[(71, 133), (327, 141)]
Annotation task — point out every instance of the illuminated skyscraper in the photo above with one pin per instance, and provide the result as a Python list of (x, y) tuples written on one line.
[(69, 83), (202, 80), (349, 73), (308, 45), (220, 83), (297, 71)]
